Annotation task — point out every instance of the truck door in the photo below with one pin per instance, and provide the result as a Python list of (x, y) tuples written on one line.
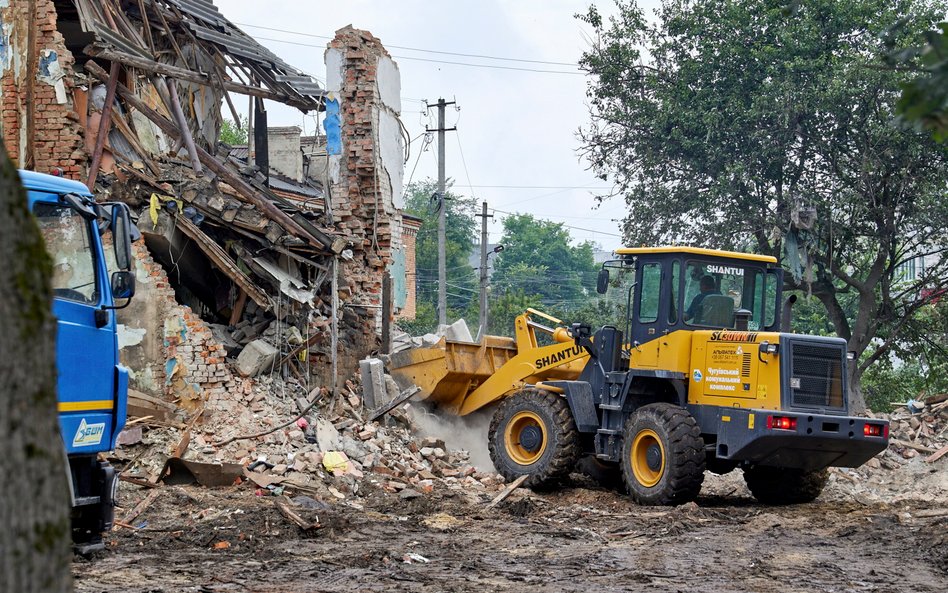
[(85, 353)]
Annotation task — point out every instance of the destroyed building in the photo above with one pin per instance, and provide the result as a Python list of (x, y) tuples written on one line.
[(289, 254)]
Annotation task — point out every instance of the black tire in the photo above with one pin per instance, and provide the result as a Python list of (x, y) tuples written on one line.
[(663, 457), (532, 432), (779, 486)]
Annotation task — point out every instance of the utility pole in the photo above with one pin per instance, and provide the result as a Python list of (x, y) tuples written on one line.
[(483, 301), (442, 206)]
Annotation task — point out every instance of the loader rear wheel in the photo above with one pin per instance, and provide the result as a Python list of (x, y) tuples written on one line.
[(778, 486), (533, 433), (663, 455)]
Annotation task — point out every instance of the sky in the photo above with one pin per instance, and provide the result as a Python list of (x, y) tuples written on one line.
[(517, 128)]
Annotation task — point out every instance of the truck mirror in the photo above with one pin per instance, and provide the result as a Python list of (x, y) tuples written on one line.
[(79, 205), (123, 284), (602, 281), (121, 240)]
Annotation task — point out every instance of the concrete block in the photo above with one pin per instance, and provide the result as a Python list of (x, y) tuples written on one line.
[(456, 332), (373, 383), (327, 437), (256, 357)]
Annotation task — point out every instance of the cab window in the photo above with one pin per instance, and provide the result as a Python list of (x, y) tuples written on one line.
[(651, 289), (712, 294), (70, 247), (673, 301)]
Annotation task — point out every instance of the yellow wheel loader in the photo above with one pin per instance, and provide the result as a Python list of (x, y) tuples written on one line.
[(699, 373)]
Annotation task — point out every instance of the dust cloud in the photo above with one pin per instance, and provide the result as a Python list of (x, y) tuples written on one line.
[(468, 433)]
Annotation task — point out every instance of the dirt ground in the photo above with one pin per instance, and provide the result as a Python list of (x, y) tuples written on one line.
[(581, 538)]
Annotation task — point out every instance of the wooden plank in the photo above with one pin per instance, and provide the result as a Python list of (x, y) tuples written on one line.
[(232, 178), (192, 76), (104, 125), (385, 409), (937, 454), (175, 106), (918, 448), (238, 311), (141, 507), (507, 491), (386, 313), (223, 262)]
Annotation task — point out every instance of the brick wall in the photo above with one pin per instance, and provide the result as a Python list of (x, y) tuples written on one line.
[(174, 353), (361, 197), (57, 136)]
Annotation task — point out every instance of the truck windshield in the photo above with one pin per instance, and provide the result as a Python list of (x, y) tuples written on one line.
[(70, 246), (713, 292)]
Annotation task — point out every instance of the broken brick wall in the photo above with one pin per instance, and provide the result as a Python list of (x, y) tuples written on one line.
[(170, 350), (366, 182), (39, 120)]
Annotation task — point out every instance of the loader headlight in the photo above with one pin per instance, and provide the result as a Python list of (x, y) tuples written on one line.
[(768, 348)]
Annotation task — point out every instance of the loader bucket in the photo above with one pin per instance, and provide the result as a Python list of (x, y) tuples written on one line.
[(462, 377), (448, 371)]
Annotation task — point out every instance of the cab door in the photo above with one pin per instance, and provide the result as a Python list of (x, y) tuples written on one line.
[(85, 347), (647, 324)]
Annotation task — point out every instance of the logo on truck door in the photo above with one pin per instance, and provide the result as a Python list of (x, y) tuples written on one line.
[(88, 434)]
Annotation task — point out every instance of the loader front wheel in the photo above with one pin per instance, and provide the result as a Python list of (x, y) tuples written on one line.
[(779, 486), (533, 433), (663, 458)]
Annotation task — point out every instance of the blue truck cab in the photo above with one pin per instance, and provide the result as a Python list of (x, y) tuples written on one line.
[(92, 386)]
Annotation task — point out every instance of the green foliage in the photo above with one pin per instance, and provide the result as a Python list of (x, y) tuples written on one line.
[(885, 383), (233, 134), (460, 232), (540, 259), (720, 120), (924, 99), (505, 308)]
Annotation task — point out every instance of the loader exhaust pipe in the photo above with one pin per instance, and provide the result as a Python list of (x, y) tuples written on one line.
[(787, 314)]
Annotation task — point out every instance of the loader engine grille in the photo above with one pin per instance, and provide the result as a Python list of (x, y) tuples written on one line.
[(816, 375)]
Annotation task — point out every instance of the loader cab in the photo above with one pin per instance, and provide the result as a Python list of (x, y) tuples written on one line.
[(662, 290)]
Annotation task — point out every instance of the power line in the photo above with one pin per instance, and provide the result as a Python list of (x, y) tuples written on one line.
[(430, 51), (563, 224), (535, 187), (457, 137), (490, 66)]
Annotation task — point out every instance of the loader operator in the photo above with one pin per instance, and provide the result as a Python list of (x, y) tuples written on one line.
[(707, 287)]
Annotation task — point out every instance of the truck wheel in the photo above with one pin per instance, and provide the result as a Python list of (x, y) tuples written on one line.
[(775, 485), (663, 455), (533, 432)]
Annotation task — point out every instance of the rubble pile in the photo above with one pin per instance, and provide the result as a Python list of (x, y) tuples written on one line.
[(915, 465), (328, 450)]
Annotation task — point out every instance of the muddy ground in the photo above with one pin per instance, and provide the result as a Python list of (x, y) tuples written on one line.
[(582, 538)]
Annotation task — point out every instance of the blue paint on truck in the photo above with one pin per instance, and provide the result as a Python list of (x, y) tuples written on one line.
[(92, 387)]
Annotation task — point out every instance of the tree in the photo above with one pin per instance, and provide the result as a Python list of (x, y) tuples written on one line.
[(540, 259), (460, 231), (34, 500), (234, 133), (924, 99), (768, 127)]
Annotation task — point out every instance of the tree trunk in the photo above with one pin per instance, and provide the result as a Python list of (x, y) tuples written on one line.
[(35, 551)]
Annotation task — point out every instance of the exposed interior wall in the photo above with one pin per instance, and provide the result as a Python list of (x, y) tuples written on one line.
[(409, 236), (286, 157), (362, 77), (171, 352), (39, 120)]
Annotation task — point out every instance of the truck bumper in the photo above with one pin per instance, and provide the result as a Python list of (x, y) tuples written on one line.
[(814, 442)]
